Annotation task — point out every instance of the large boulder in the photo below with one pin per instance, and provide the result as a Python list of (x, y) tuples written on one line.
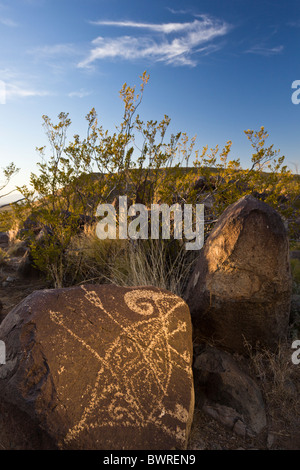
[(227, 393), (100, 367), (241, 286)]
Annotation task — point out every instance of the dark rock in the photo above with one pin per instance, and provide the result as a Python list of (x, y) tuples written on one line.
[(260, 196), (101, 367), (282, 199), (32, 223), (215, 181), (4, 239), (208, 201), (270, 440), (231, 396), (26, 268), (19, 432), (20, 249), (201, 184), (241, 286), (84, 220), (241, 186), (295, 308)]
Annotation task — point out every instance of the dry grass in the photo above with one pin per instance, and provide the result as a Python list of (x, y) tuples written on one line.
[(279, 380), (159, 263), (150, 263)]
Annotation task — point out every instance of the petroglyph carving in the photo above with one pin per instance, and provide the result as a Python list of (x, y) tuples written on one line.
[(151, 360), (115, 363)]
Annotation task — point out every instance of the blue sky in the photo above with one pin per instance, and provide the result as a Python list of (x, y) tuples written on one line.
[(217, 67)]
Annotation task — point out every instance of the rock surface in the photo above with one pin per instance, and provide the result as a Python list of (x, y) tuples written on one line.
[(4, 240), (229, 395), (241, 286), (26, 268), (99, 367)]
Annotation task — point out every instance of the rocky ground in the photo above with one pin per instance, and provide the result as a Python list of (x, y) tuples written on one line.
[(282, 412), (274, 375), (13, 288), (283, 417)]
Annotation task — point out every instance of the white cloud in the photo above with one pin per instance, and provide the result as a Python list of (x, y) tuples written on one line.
[(8, 22), (186, 39), (20, 91), (16, 87), (265, 51), (165, 28), (79, 94)]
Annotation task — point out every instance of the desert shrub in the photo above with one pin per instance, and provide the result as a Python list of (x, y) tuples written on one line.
[(7, 174), (89, 259), (7, 218), (295, 268), (6, 214), (294, 245), (74, 178)]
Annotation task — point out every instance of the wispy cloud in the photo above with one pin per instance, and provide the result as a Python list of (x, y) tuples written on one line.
[(8, 74), (165, 28), (19, 91), (79, 94), (179, 12), (53, 50), (294, 24), (8, 22), (20, 85), (186, 40), (59, 58), (265, 51)]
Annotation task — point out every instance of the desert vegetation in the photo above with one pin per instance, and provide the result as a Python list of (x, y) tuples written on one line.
[(139, 160), (53, 227)]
